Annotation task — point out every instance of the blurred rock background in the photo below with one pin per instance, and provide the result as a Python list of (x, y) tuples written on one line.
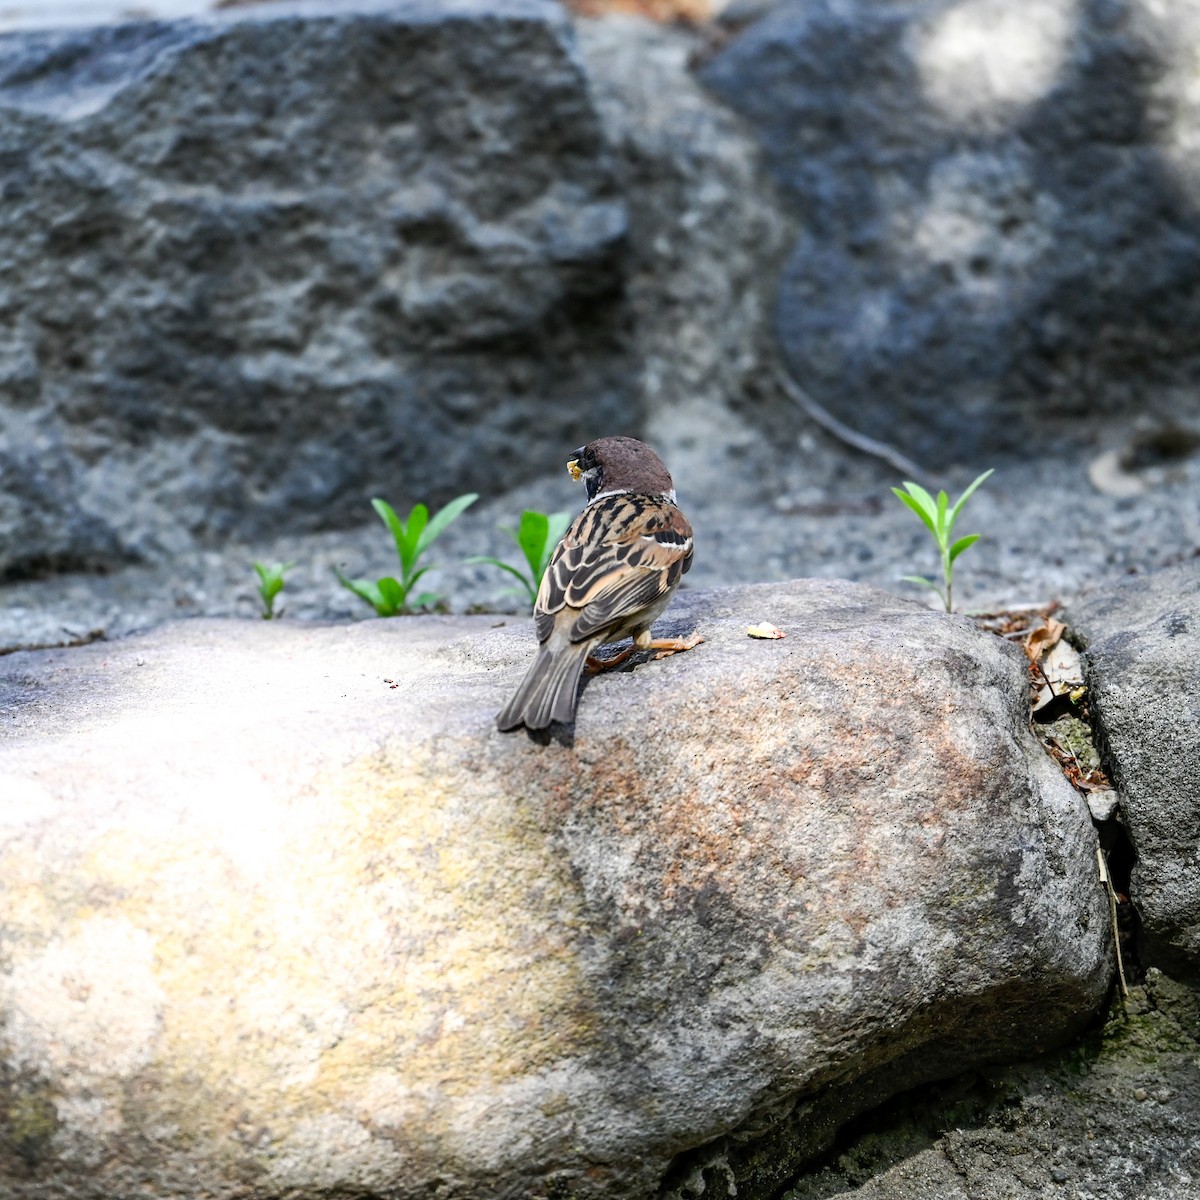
[(267, 263)]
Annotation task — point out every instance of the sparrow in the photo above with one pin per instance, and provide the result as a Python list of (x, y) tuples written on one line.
[(611, 577)]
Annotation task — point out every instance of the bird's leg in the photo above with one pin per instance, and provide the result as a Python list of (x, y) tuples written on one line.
[(594, 665), (666, 646), (662, 647)]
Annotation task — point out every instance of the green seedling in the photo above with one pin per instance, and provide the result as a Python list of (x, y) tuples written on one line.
[(938, 516), (536, 537), (270, 584), (389, 596)]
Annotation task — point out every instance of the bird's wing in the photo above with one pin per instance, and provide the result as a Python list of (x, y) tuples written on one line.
[(620, 555)]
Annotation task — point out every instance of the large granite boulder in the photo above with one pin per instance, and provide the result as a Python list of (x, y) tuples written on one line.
[(262, 265), (706, 234), (282, 914), (1000, 241), (1142, 654), (427, 248)]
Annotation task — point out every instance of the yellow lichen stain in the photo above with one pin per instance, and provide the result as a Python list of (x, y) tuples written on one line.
[(27, 911), (27, 1119), (394, 935), (479, 982)]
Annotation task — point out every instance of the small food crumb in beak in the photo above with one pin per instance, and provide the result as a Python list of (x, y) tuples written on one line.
[(574, 471)]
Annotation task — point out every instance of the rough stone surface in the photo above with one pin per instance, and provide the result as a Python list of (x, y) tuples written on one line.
[(1112, 1118), (999, 242), (279, 908), (764, 510), (707, 231), (1142, 656), (262, 265)]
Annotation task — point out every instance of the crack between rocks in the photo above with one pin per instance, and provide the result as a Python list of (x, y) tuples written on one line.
[(83, 639)]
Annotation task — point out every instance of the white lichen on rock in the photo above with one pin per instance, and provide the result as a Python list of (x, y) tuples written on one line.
[(87, 1007)]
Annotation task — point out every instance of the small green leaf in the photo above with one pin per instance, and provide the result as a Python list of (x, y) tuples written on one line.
[(437, 526), (364, 589), (942, 502), (497, 562), (392, 595), (387, 514), (531, 538), (405, 534), (272, 576), (933, 587), (965, 497), (558, 523), (922, 497), (536, 536), (426, 600), (915, 505), (962, 544), (414, 535)]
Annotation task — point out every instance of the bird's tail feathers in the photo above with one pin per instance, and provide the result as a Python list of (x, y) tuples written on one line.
[(549, 691)]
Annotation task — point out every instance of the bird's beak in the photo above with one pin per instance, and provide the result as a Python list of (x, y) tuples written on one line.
[(573, 469)]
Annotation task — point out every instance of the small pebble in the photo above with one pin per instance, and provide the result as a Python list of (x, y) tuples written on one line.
[(1139, 1094), (1103, 804), (1059, 1175)]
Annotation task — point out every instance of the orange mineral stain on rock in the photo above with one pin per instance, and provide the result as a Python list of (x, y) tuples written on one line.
[(692, 12)]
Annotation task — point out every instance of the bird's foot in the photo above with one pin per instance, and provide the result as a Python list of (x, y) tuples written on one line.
[(594, 665), (664, 647)]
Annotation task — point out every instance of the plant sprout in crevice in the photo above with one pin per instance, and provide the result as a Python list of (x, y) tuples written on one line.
[(939, 516)]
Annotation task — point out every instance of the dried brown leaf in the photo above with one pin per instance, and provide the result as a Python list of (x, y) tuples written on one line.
[(1061, 672), (1044, 638)]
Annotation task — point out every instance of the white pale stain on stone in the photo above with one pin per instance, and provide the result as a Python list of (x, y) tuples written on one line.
[(53, 14), (1173, 100), (979, 210), (87, 1006), (293, 1025), (86, 1126), (332, 1151), (24, 801), (229, 799), (238, 808), (89, 1115), (386, 1101), (992, 59)]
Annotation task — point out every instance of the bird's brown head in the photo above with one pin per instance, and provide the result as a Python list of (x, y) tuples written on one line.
[(620, 464)]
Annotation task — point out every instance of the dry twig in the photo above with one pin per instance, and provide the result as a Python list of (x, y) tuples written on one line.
[(850, 437), (1112, 915)]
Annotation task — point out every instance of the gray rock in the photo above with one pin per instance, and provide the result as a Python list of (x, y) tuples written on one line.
[(706, 228), (1117, 1113), (283, 914), (263, 265), (1103, 805), (1142, 655), (1000, 243)]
